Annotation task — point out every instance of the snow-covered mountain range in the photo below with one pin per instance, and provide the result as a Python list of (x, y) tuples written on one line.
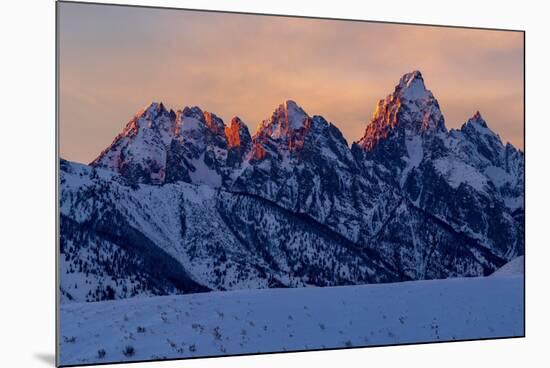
[(181, 202)]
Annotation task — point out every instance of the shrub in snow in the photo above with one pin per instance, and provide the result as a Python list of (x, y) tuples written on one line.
[(128, 351)]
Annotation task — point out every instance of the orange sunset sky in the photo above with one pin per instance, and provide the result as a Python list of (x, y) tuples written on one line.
[(114, 60)]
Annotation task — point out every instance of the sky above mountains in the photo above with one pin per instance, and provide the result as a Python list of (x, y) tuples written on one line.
[(115, 60)]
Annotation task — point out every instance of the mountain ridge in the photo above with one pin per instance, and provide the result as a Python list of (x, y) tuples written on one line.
[(428, 201)]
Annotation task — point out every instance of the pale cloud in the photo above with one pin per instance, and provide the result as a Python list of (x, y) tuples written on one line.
[(114, 60)]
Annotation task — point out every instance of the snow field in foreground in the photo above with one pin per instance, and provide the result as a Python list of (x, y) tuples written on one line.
[(269, 320)]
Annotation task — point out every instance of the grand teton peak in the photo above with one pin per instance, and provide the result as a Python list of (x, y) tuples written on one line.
[(411, 109)]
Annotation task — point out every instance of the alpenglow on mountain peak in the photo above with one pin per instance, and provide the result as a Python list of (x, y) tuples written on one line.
[(477, 119), (288, 116), (193, 145), (411, 108)]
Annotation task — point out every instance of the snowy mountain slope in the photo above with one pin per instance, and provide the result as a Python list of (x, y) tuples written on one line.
[(513, 268), (304, 164), (421, 246), (116, 266), (252, 321), (105, 254), (139, 151), (210, 239), (296, 245), (502, 165)]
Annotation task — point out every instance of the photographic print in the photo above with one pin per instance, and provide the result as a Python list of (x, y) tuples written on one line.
[(235, 183)]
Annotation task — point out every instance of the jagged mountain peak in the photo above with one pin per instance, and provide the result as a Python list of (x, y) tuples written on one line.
[(287, 117), (192, 111), (411, 87), (193, 118), (477, 115), (476, 128), (237, 124), (214, 123), (411, 108), (235, 120), (237, 133), (292, 109), (511, 148), (153, 109), (477, 119), (189, 118), (477, 135), (148, 117), (410, 77), (238, 140)]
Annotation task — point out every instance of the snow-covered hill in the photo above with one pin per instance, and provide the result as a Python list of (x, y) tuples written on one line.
[(513, 268), (251, 321)]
